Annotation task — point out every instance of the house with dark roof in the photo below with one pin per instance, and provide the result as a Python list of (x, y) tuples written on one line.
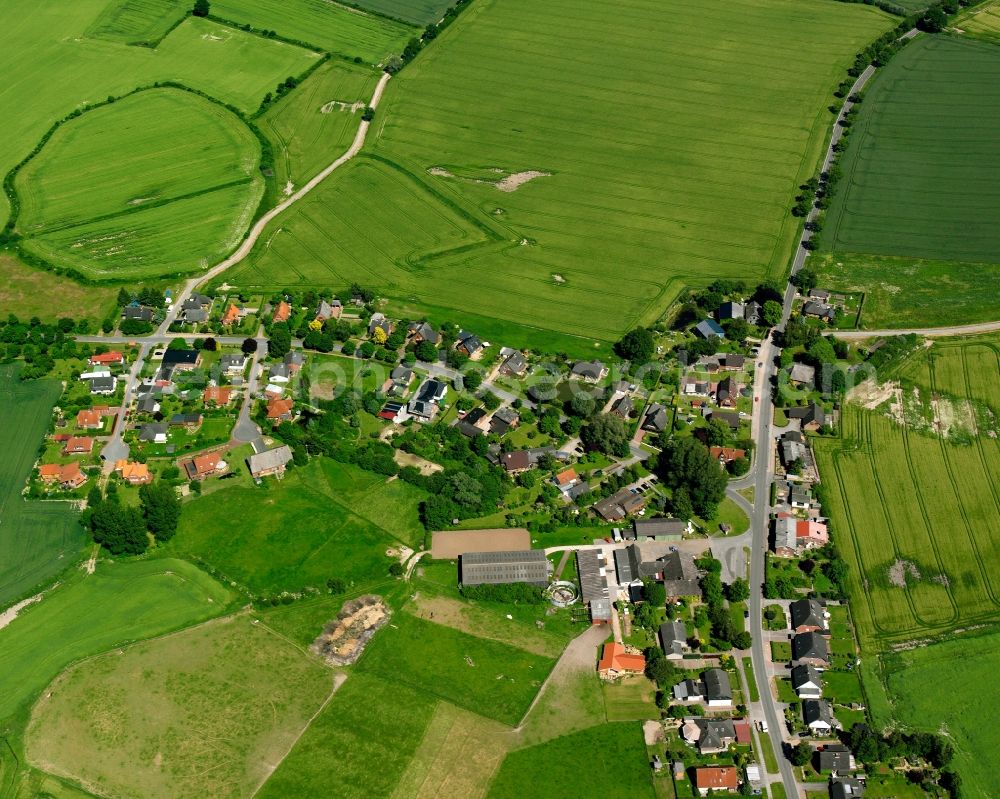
[(619, 505), (730, 310), (379, 322), (709, 328), (294, 360), (105, 385), (154, 432), (421, 331), (673, 638), (835, 758), (819, 310), (469, 344), (711, 736), (811, 649), (181, 359), (592, 371), (591, 568), (802, 374), (659, 529), (139, 313), (495, 568), (817, 716), (718, 691), (807, 682), (623, 407), (811, 417), (808, 615), (233, 363), (503, 420), (514, 365), (680, 576), (190, 421), (727, 392), (729, 418), (753, 312), (846, 788), (656, 419)]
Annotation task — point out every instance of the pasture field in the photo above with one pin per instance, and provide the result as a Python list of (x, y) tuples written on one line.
[(696, 187), (310, 126), (37, 539), (608, 760), (982, 22), (327, 26), (119, 603), (921, 168), (914, 679), (359, 745), (490, 678), (197, 713), (907, 292), (137, 21), (416, 12), (300, 531), (34, 292)]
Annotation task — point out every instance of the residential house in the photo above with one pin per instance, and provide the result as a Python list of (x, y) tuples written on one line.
[(379, 322), (433, 391), (730, 310), (819, 294), (154, 433), (516, 462), (113, 358), (695, 387), (280, 410), (566, 479), (78, 445), (282, 312), (422, 411), (725, 455), (592, 571), (711, 736), (278, 373), (514, 365), (792, 448), (469, 344), (623, 407), (846, 788), (68, 476), (811, 417), (729, 418), (618, 506), (231, 316), (680, 576), (673, 639), (727, 393), (194, 316), (269, 462), (591, 371), (817, 716), (147, 403), (399, 381), (474, 423), (90, 419), (721, 361), (139, 313), (808, 616), (835, 758), (811, 649), (189, 421), (495, 568), (718, 692), (105, 385), (329, 310), (656, 419), (503, 420), (395, 412), (201, 466), (421, 331), (233, 363), (794, 536), (217, 395), (659, 529), (807, 682), (802, 375), (798, 496), (689, 691), (819, 310), (709, 328), (716, 778), (133, 472), (181, 359), (195, 308), (616, 661), (753, 312)]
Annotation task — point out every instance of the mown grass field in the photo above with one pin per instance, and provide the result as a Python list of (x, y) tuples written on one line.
[(697, 186), (915, 678), (328, 26), (118, 604), (198, 713), (905, 292), (499, 683), (417, 12), (609, 760), (309, 126), (322, 521), (137, 21), (37, 539), (920, 171)]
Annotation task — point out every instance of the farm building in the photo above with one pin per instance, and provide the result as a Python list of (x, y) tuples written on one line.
[(591, 567), (660, 529), (616, 661), (518, 566), (270, 462)]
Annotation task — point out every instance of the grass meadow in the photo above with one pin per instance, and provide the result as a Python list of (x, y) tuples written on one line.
[(321, 521), (920, 171), (118, 604), (37, 539), (493, 679), (416, 12), (982, 21), (327, 26), (31, 292), (137, 21), (697, 186), (198, 713)]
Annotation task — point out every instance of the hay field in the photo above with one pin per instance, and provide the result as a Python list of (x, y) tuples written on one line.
[(34, 292), (118, 604), (198, 713), (921, 170), (137, 21), (37, 539), (327, 26), (982, 21), (671, 150)]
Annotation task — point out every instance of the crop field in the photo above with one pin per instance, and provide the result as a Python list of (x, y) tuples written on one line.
[(300, 531), (557, 184), (198, 713), (119, 603), (417, 12), (309, 127), (982, 22), (37, 539), (907, 292), (921, 169), (34, 292), (137, 21), (608, 760), (328, 26), (914, 680), (490, 678), (360, 744)]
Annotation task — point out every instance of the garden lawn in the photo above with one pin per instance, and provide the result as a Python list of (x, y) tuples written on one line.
[(603, 761), (37, 539), (118, 604), (487, 677), (204, 702), (699, 186)]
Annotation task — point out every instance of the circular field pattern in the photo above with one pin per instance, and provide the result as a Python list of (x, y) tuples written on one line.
[(162, 181)]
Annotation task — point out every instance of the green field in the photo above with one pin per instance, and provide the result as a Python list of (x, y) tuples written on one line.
[(920, 172), (910, 292), (321, 521), (37, 539), (137, 21), (983, 21), (359, 746), (198, 713), (915, 679), (417, 12), (328, 26), (499, 683), (609, 760), (34, 292), (697, 186), (120, 603), (311, 126)]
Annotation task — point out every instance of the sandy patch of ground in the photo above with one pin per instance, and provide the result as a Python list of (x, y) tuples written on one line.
[(337, 105), (425, 466), (289, 189), (515, 181), (344, 639), (652, 731), (902, 570), (558, 278), (440, 172), (870, 394), (11, 613)]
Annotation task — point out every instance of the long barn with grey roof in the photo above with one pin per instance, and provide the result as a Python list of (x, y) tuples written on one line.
[(494, 568)]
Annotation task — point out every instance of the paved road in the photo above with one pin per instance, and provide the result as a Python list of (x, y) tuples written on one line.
[(116, 449), (246, 429)]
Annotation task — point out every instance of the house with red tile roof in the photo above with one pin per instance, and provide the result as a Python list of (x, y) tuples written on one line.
[(726, 455), (78, 445), (106, 358), (282, 313), (89, 419), (204, 465), (217, 395), (716, 778), (68, 475), (616, 661), (279, 410), (133, 472), (567, 478), (231, 316)]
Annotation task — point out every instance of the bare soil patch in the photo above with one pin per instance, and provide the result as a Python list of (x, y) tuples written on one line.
[(515, 181), (901, 571), (344, 639), (425, 466)]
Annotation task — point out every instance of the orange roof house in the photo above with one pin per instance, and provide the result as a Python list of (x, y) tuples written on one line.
[(134, 473), (282, 312), (567, 477), (78, 445), (616, 661), (90, 419), (201, 466), (716, 778), (219, 395), (106, 358), (71, 477), (49, 472), (279, 410), (231, 316), (726, 454)]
